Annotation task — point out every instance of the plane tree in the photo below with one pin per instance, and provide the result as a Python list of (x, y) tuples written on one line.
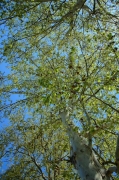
[(64, 64)]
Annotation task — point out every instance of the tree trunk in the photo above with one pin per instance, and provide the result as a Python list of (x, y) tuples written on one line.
[(82, 156)]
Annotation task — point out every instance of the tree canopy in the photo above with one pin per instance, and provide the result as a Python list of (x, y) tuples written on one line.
[(61, 54)]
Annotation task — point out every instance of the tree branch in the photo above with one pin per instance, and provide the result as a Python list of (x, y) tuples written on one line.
[(89, 124), (117, 154), (93, 95), (39, 168)]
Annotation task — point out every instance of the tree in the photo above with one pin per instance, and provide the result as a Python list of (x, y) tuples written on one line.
[(63, 57)]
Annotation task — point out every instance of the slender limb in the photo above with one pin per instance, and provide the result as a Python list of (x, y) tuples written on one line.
[(89, 124), (117, 154), (94, 2)]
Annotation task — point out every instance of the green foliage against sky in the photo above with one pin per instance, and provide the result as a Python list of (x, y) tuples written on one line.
[(60, 54)]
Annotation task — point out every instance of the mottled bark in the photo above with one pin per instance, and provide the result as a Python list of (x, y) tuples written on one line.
[(83, 157)]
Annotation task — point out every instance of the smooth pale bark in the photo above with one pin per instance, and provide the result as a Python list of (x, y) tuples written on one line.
[(83, 157)]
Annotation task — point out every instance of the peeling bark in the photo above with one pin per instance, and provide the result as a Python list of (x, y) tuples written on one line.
[(83, 157)]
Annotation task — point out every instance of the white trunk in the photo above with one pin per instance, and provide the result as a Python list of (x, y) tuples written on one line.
[(83, 158)]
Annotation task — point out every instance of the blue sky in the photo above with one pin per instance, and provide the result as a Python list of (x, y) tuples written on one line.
[(4, 68)]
